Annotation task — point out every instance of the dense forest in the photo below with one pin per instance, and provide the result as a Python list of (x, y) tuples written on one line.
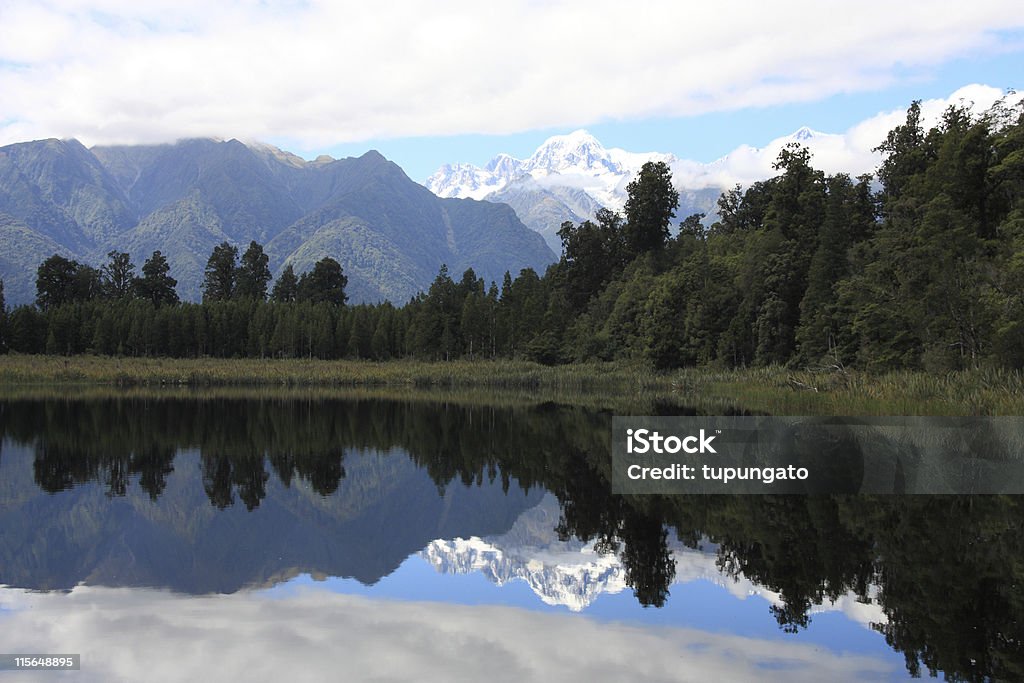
[(920, 266)]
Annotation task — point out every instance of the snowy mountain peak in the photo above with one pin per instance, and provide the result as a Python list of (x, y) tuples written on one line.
[(569, 177), (463, 180), (575, 160), (579, 151), (579, 139), (504, 168), (804, 133)]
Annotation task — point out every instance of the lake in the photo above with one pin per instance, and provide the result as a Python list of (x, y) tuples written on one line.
[(353, 535)]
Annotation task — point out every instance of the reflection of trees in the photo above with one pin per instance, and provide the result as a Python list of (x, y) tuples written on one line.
[(796, 545), (951, 578), (116, 442), (57, 468), (646, 558), (949, 569), (223, 474)]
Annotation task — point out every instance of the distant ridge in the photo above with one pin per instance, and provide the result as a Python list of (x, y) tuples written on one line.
[(390, 234)]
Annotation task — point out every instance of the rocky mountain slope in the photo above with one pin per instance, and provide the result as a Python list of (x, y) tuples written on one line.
[(390, 234)]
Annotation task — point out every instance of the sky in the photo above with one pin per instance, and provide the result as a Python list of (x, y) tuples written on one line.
[(450, 81)]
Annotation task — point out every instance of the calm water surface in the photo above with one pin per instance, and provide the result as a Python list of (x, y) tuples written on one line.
[(274, 537)]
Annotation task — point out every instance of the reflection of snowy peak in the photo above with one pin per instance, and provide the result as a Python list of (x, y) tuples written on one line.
[(568, 573), (573, 574), (570, 579)]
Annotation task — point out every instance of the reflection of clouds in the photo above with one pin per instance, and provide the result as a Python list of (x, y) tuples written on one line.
[(314, 635), (691, 566)]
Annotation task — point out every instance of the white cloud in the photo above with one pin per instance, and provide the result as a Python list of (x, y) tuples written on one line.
[(850, 152), (323, 73), (315, 635)]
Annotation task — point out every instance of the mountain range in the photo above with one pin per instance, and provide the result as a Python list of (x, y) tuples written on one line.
[(386, 508), (390, 234), (569, 177)]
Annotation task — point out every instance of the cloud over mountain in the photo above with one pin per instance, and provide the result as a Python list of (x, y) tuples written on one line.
[(850, 152), (319, 73)]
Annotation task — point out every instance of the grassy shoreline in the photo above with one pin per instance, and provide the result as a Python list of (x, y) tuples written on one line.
[(773, 390)]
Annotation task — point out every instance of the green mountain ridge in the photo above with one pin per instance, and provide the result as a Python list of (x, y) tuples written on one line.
[(390, 234)]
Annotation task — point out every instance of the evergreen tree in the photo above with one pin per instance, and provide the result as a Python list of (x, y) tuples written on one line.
[(361, 335), (60, 280), (27, 330), (118, 276), (650, 206), (253, 274), (55, 280), (326, 282), (505, 319), (286, 289), (221, 271), (321, 331), (473, 324), (904, 154), (822, 331), (156, 285), (380, 343), (261, 327), (87, 284), (592, 254)]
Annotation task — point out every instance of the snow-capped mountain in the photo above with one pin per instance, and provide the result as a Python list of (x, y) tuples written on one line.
[(576, 160), (568, 178), (574, 574), (579, 162)]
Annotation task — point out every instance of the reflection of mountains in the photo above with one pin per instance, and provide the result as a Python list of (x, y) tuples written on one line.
[(574, 574), (385, 508), (212, 494), (569, 573)]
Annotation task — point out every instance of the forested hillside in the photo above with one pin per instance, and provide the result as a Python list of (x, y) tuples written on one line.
[(389, 233), (921, 267)]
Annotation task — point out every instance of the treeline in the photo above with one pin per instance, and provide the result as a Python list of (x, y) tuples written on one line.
[(921, 266)]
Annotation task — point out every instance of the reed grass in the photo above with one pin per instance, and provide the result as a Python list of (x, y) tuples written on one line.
[(622, 386)]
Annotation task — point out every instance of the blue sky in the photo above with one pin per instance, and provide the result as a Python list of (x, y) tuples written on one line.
[(429, 83), (706, 137)]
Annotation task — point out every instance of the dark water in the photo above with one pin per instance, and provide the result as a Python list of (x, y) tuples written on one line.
[(264, 538)]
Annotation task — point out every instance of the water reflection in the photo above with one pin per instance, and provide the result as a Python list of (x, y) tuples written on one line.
[(315, 635), (204, 495)]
